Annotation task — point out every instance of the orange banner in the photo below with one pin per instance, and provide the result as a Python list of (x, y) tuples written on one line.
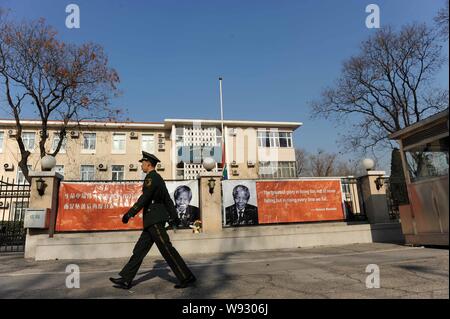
[(97, 206), (299, 201)]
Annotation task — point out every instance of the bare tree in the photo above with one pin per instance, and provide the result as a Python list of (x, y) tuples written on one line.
[(301, 158), (441, 20), (60, 81), (322, 163), (386, 87)]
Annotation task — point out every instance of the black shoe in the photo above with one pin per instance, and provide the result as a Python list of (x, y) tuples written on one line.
[(186, 283), (121, 283)]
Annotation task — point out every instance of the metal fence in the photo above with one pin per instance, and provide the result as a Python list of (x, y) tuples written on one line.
[(14, 199), (353, 199)]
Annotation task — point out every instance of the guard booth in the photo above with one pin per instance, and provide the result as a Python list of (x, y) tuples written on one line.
[(424, 153)]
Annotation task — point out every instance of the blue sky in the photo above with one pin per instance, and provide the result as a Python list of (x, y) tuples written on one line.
[(274, 56)]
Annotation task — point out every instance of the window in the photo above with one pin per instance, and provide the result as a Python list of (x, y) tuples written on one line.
[(118, 142), (19, 210), (274, 139), (277, 170), (428, 160), (28, 139), (55, 143), (148, 143), (21, 177), (59, 169), (117, 172), (89, 141), (2, 134), (285, 139), (87, 172)]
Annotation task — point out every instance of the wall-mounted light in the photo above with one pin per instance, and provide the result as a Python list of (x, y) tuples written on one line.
[(379, 182), (211, 185), (41, 186)]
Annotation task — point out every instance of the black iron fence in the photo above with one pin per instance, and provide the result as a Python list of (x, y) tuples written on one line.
[(353, 199), (14, 199)]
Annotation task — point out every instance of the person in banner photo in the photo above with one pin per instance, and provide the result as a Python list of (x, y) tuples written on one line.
[(241, 213), (187, 213), (158, 208)]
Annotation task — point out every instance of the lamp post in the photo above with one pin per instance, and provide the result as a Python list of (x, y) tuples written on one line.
[(368, 164)]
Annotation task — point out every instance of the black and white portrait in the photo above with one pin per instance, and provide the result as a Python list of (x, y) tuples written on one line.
[(187, 213), (241, 212)]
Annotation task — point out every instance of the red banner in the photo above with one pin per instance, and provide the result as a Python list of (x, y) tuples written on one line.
[(97, 206), (299, 201)]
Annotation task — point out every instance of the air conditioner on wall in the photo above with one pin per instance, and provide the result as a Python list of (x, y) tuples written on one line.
[(160, 167), (8, 167), (232, 132), (161, 147), (234, 172), (234, 164), (133, 135), (74, 134), (132, 167), (12, 133), (41, 134), (102, 167), (250, 163), (161, 135)]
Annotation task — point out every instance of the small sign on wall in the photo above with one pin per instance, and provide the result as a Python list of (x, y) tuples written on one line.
[(36, 218)]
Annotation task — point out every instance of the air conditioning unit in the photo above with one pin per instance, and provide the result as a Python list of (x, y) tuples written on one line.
[(234, 164), (161, 135), (161, 141), (161, 147), (8, 167), (232, 132), (132, 167), (234, 172), (160, 167), (133, 135), (41, 134), (12, 133), (74, 134), (102, 167)]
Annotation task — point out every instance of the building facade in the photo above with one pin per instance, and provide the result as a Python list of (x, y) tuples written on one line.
[(111, 150)]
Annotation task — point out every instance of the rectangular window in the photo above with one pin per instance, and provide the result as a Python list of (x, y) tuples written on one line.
[(285, 139), (277, 170), (2, 134), (55, 143), (428, 160), (118, 142), (19, 210), (117, 172), (148, 143), (21, 177), (87, 172), (89, 141), (28, 139)]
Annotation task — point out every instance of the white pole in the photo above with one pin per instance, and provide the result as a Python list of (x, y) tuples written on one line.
[(221, 106)]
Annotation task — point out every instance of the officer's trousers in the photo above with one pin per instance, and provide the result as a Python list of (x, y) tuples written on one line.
[(155, 234)]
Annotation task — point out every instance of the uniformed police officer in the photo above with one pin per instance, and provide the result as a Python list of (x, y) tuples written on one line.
[(158, 208)]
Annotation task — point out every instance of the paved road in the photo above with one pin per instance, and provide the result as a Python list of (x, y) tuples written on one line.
[(322, 272)]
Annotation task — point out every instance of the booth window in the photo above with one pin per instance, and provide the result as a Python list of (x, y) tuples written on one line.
[(429, 160)]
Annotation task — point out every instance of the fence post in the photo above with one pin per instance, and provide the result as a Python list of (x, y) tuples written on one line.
[(49, 200), (375, 200), (211, 203)]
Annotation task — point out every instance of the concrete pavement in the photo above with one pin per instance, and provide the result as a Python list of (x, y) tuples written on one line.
[(322, 272)]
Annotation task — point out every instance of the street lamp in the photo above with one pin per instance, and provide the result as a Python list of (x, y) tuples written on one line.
[(368, 164)]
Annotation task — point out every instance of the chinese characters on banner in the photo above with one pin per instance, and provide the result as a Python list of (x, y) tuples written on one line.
[(100, 206)]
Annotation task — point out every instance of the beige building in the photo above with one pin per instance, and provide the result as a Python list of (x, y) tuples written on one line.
[(111, 150)]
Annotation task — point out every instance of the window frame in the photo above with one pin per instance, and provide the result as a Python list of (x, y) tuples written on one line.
[(81, 172), (113, 171), (88, 150), (119, 151)]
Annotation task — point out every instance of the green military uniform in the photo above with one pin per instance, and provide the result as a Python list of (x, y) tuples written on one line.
[(158, 208)]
